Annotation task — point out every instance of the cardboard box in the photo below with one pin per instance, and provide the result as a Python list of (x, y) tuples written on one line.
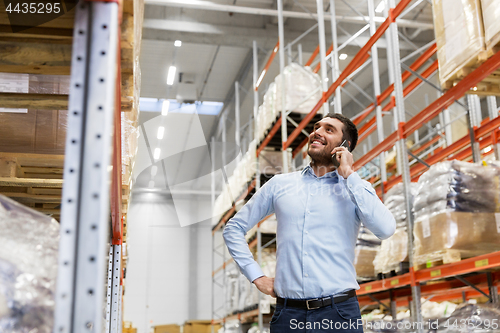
[(172, 328), (199, 326), (363, 261), (459, 234)]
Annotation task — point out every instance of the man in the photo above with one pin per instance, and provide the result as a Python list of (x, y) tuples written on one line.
[(319, 212)]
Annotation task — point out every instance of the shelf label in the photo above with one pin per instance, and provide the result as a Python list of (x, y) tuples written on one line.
[(368, 288), (394, 282), (435, 273), (428, 264), (481, 263)]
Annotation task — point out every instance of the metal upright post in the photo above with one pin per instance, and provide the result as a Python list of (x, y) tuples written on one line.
[(492, 107), (116, 297), (322, 51), (212, 197), (284, 133), (402, 156), (376, 89), (474, 111), (257, 169), (237, 119), (335, 59), (86, 194), (299, 50)]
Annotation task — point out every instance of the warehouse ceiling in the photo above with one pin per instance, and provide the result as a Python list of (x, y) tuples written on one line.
[(216, 51)]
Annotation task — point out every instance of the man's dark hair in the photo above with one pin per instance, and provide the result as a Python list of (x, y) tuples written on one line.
[(349, 131)]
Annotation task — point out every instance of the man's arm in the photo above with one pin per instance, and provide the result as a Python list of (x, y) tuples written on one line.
[(370, 210), (258, 207)]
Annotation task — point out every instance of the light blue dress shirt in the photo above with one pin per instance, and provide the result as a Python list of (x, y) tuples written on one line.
[(318, 222)]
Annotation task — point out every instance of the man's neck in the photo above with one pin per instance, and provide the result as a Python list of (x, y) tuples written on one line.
[(321, 169)]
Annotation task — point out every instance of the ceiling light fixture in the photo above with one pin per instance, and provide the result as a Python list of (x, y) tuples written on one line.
[(164, 107), (381, 6), (178, 43), (171, 75), (157, 153), (161, 131), (343, 56)]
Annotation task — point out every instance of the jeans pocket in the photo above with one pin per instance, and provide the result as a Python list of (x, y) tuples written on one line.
[(349, 309), (277, 313)]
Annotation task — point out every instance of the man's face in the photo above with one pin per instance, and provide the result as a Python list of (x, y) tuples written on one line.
[(327, 134)]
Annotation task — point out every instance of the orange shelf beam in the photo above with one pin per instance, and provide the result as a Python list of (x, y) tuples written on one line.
[(269, 136), (268, 64), (313, 56)]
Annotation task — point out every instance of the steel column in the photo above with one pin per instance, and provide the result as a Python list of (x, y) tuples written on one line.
[(284, 132), (86, 195), (335, 59), (116, 297), (237, 120), (474, 111), (322, 51), (376, 88), (402, 156), (299, 50)]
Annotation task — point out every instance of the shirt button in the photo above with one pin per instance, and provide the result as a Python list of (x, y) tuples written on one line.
[(306, 275), (308, 212), (310, 194), (307, 232), (305, 253)]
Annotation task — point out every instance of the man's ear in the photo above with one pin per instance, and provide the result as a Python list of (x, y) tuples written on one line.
[(349, 145)]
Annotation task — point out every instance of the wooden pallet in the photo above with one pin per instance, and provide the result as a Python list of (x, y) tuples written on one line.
[(34, 180), (488, 87), (446, 256)]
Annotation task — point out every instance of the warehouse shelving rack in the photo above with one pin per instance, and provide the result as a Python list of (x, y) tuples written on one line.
[(481, 134), (95, 42)]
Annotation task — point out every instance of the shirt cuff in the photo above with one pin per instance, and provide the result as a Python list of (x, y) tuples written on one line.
[(355, 182), (252, 271)]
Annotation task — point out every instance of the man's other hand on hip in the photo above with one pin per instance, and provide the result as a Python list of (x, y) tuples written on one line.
[(265, 285)]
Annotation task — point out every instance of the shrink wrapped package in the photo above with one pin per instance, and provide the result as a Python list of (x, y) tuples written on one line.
[(129, 134), (456, 212), (302, 89), (28, 268), (394, 250), (34, 130), (479, 318), (458, 28), (363, 261), (457, 186), (491, 20)]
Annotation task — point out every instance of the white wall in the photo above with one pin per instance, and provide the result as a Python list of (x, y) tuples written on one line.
[(169, 267)]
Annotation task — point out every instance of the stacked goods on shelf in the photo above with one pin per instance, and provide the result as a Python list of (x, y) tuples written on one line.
[(270, 163), (491, 19), (302, 92), (483, 316), (394, 250), (454, 210), (460, 37), (28, 268), (366, 248)]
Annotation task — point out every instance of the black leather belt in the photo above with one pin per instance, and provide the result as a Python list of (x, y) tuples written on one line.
[(316, 303)]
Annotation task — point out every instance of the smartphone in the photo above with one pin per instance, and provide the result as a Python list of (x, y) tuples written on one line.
[(334, 156)]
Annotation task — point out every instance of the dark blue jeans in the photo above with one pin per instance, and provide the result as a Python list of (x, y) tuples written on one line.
[(341, 317)]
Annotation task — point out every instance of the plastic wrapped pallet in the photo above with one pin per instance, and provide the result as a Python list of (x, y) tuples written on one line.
[(129, 134), (392, 252), (458, 28), (363, 261), (457, 186), (28, 268), (452, 236), (302, 86), (479, 318), (491, 19)]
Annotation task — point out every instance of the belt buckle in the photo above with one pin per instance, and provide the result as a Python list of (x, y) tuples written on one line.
[(310, 300)]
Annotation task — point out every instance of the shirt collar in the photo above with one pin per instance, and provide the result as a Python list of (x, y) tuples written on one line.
[(309, 170)]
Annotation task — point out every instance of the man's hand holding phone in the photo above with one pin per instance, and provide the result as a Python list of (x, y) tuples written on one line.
[(343, 160)]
